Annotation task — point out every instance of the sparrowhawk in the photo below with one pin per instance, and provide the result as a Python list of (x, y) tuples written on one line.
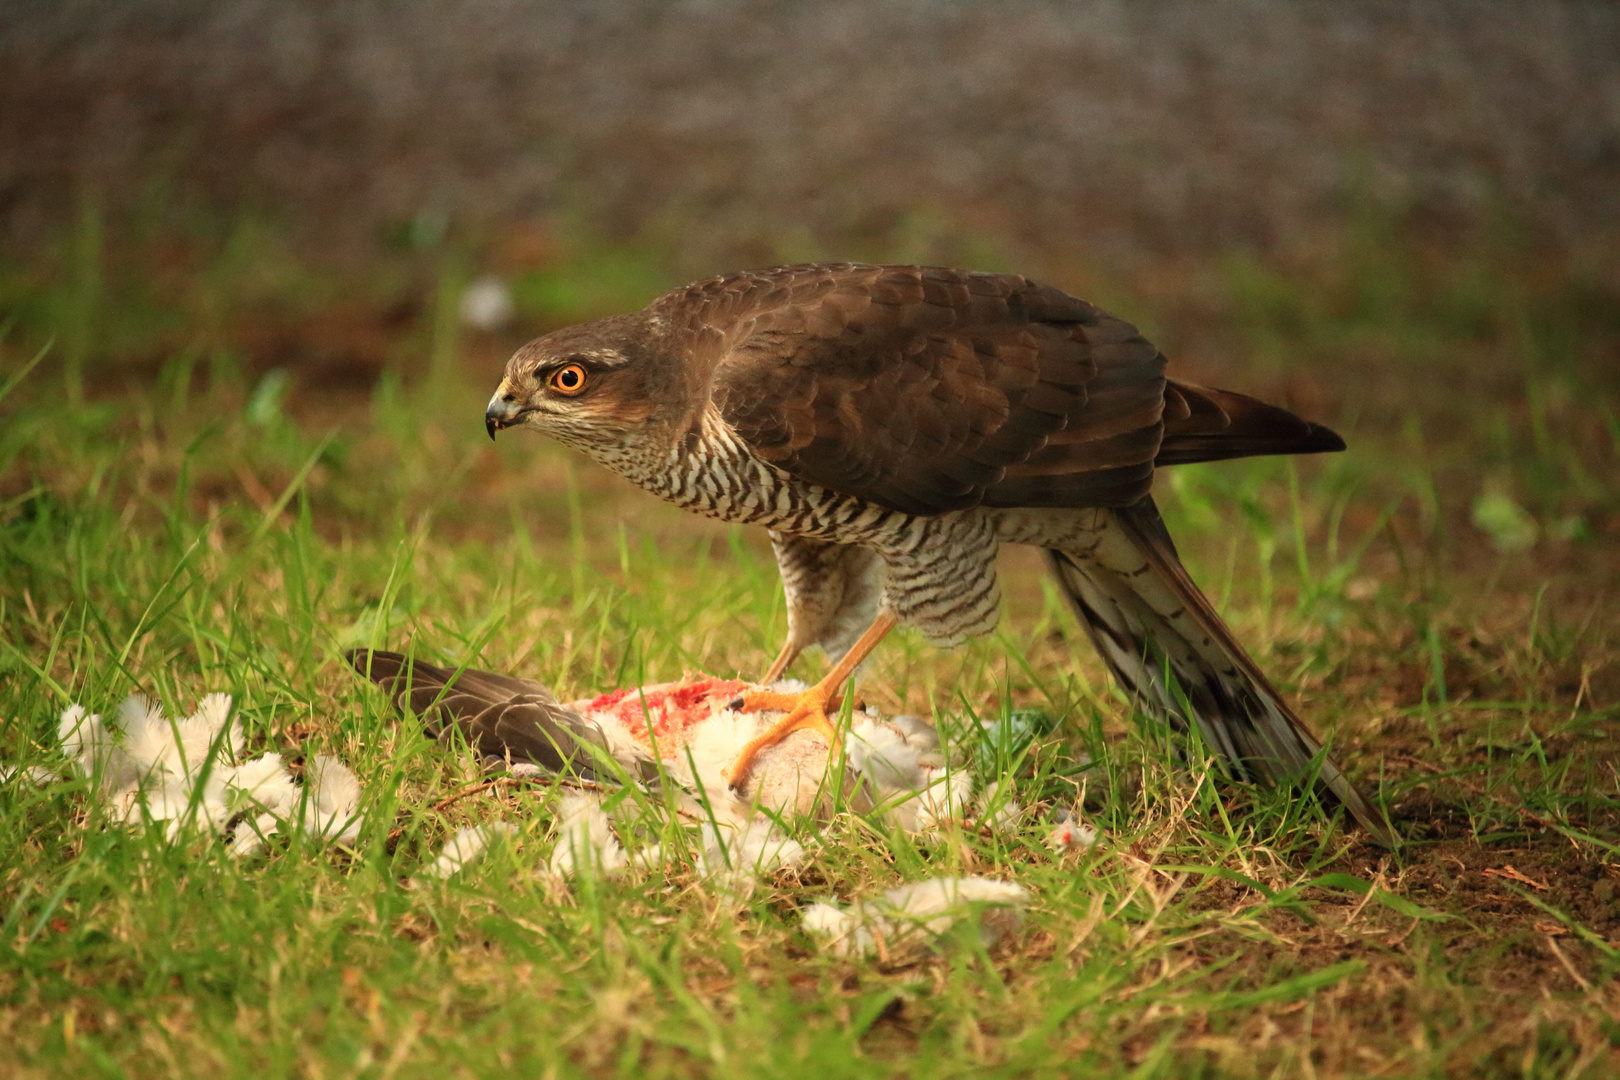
[(892, 426)]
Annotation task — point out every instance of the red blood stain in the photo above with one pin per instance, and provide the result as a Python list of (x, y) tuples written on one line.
[(666, 713)]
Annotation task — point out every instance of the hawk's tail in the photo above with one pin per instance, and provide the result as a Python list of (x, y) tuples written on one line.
[(504, 717), (1150, 622)]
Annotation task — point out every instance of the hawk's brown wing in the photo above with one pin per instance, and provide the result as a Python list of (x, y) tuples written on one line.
[(925, 389)]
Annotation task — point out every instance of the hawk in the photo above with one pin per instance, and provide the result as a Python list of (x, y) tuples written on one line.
[(893, 426)]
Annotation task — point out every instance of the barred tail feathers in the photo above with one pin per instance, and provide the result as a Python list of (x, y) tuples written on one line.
[(1145, 616)]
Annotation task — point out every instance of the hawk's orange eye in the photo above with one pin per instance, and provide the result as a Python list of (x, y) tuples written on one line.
[(568, 380)]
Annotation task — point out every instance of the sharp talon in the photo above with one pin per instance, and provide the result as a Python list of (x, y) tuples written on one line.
[(737, 775), (806, 710), (735, 704)]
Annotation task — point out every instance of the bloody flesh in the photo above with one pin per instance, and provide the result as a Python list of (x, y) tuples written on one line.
[(664, 714)]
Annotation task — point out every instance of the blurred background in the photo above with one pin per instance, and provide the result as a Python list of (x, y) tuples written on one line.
[(1401, 217)]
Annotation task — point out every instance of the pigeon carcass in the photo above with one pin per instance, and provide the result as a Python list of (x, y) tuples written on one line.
[(689, 732)]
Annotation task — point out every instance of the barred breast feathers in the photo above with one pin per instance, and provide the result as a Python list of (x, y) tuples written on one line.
[(941, 576)]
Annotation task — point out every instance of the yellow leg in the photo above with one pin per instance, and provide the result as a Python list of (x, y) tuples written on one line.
[(809, 709), (788, 654)]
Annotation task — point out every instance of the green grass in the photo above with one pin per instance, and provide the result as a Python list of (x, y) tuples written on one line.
[(195, 528)]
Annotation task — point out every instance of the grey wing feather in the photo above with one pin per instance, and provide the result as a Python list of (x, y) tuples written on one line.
[(503, 716), (1145, 615)]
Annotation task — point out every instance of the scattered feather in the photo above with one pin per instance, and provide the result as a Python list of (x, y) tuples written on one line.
[(585, 840), (251, 835), (263, 783), (331, 800), (1000, 810), (737, 857), (154, 769), (92, 751), (1070, 832), (914, 915), (174, 800), (182, 746), (187, 772), (941, 801), (463, 849), (37, 774), (903, 772)]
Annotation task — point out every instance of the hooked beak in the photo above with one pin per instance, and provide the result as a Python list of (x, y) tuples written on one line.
[(502, 412)]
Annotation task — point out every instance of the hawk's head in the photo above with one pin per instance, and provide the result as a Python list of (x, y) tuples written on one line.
[(595, 386)]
